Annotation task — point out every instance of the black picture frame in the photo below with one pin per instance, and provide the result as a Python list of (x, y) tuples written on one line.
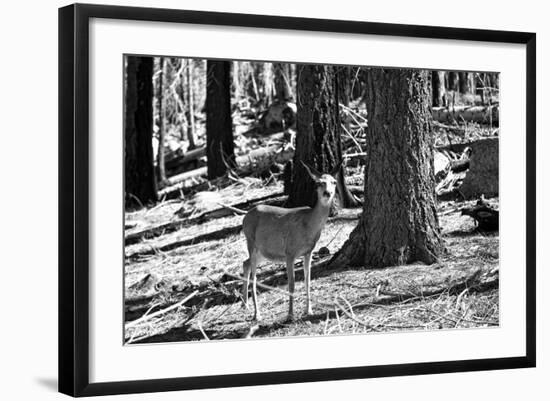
[(74, 198)]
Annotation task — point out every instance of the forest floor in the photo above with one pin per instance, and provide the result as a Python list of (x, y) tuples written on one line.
[(182, 277)]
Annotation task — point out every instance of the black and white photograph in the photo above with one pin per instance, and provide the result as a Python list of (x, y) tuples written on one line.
[(282, 199)]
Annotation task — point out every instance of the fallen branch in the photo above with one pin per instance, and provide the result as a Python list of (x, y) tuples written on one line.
[(478, 114), (161, 312)]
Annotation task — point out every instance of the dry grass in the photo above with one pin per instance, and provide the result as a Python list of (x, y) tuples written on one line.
[(459, 292)]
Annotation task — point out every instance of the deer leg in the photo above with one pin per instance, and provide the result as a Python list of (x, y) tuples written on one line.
[(246, 279), (290, 275), (253, 264), (307, 280)]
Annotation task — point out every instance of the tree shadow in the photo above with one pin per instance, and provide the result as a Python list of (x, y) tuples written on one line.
[(471, 233)]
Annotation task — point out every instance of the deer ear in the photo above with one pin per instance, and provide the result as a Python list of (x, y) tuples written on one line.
[(313, 173), (336, 170)]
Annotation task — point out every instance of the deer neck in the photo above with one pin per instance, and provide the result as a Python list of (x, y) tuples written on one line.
[(319, 216)]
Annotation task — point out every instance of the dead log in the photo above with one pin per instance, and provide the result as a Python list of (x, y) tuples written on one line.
[(148, 249), (171, 226), (188, 157), (477, 114), (256, 161)]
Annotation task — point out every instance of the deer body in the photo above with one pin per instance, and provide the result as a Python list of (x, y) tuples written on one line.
[(286, 234)]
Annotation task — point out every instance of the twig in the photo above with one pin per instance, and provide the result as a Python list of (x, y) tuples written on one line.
[(199, 324), (352, 138), (251, 331), (335, 235), (161, 312)]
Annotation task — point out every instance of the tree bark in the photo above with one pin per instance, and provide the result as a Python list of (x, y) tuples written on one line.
[(318, 131), (439, 97), (219, 127), (399, 222), (139, 173)]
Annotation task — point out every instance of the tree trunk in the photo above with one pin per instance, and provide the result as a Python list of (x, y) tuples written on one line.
[(343, 91), (236, 76), (439, 97), (466, 82), (160, 97), (453, 80), (343, 74), (318, 131), (139, 173), (399, 222), (219, 127), (282, 81), (190, 107), (267, 83)]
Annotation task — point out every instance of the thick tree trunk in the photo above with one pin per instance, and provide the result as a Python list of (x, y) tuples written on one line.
[(439, 97), (399, 222), (160, 97), (219, 127), (139, 173), (318, 130)]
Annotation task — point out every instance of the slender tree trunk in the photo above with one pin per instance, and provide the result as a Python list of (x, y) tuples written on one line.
[(318, 130), (253, 86), (399, 222), (237, 91), (439, 97), (481, 85), (343, 74), (219, 127), (466, 81), (343, 92), (267, 83), (190, 117), (160, 96), (453, 80), (139, 173), (282, 81)]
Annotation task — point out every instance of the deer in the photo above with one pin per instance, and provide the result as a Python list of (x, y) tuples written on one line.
[(286, 234)]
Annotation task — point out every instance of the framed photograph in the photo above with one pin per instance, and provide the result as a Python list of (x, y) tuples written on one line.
[(251, 199)]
